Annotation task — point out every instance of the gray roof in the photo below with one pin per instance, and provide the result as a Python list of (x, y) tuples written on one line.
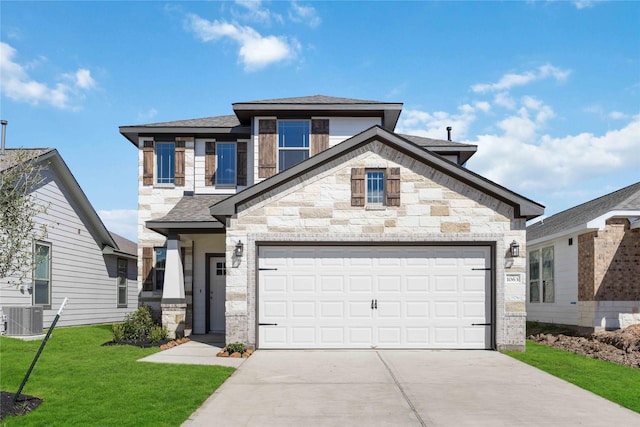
[(204, 122), (627, 198), (303, 106), (440, 146), (523, 207), (190, 213), (52, 159), (314, 99), (9, 159), (125, 245)]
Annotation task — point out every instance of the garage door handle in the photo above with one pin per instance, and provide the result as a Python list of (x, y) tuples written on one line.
[(371, 304), (482, 269), (267, 324), (481, 324), (374, 304), (267, 269)]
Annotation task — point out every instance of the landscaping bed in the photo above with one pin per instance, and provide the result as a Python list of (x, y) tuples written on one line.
[(621, 346)]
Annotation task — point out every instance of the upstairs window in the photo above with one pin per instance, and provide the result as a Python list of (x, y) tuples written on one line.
[(293, 143), (375, 188), (226, 164), (165, 162)]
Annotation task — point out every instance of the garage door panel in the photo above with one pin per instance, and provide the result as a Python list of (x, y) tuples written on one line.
[(427, 297), (360, 284)]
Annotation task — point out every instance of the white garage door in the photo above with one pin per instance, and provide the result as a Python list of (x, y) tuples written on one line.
[(374, 297)]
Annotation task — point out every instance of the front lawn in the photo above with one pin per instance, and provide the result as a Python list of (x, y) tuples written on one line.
[(614, 382), (83, 383)]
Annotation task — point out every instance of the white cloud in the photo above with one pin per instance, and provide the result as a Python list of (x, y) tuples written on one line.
[(121, 221), (434, 125), (504, 100), (256, 51), (304, 14), (524, 160), (585, 4), (17, 85), (482, 106), (510, 80), (253, 11), (617, 115)]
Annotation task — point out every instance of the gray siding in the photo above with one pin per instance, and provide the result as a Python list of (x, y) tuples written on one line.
[(79, 269)]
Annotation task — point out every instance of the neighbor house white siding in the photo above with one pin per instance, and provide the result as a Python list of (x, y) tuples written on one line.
[(565, 308), (79, 270)]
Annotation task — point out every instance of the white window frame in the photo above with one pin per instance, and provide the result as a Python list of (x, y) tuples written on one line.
[(48, 245), (122, 281), (279, 148), (374, 204), (235, 165), (542, 280)]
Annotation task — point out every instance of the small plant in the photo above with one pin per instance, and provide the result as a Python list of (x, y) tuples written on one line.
[(118, 332), (235, 347), (158, 333)]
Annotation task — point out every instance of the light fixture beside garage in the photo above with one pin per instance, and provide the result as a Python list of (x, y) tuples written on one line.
[(515, 249), (239, 249)]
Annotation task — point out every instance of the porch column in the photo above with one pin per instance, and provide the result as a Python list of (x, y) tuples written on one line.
[(174, 304)]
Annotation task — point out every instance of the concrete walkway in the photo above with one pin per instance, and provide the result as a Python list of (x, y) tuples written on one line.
[(400, 388), (201, 350)]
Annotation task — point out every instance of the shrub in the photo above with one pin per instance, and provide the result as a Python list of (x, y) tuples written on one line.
[(158, 333), (235, 347), (136, 326)]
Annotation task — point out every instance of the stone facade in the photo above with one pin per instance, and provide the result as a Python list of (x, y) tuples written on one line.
[(434, 208)]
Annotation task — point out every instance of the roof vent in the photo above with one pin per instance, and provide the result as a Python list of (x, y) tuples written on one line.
[(449, 133)]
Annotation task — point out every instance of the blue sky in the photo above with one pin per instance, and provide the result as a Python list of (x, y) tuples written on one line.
[(548, 90)]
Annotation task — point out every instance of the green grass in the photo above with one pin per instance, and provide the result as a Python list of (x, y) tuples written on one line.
[(83, 383), (614, 382)]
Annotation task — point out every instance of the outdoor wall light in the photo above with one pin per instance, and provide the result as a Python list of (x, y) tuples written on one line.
[(515, 249), (239, 249)]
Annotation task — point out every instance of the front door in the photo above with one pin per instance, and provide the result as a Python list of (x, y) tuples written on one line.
[(217, 294)]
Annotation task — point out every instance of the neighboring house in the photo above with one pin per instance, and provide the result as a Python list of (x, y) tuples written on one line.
[(76, 258), (584, 263), (308, 223)]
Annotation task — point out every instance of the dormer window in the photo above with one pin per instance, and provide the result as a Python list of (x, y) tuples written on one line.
[(293, 143)]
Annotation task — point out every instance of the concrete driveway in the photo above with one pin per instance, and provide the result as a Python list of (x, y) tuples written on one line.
[(400, 388)]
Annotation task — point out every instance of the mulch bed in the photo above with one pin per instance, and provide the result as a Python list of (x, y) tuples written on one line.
[(23, 406), (141, 343)]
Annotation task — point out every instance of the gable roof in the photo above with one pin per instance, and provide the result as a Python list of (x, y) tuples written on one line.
[(523, 207), (591, 214), (320, 105), (125, 245), (51, 158)]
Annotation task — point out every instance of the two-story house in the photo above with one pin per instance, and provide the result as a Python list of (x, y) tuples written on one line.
[(308, 223)]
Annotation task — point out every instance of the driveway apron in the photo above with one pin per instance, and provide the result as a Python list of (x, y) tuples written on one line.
[(400, 388)]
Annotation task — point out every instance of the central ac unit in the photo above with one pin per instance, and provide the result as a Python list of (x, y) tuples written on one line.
[(24, 320)]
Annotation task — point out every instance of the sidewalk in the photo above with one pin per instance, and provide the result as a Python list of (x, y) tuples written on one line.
[(201, 350)]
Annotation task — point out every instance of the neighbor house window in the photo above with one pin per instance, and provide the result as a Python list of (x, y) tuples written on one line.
[(375, 188), (42, 274), (122, 281), (165, 162), (541, 275), (226, 164), (160, 261), (293, 143)]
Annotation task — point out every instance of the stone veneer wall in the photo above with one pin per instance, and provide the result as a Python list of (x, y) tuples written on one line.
[(434, 208), (155, 202)]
